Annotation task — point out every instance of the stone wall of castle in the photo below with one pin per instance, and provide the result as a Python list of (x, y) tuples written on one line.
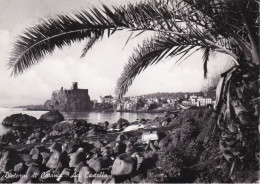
[(75, 99)]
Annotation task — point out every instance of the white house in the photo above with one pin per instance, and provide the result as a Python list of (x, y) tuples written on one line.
[(193, 96), (208, 101)]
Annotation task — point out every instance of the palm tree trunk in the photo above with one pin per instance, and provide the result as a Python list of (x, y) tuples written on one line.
[(238, 119)]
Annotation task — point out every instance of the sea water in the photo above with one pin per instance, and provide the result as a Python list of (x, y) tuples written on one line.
[(91, 117)]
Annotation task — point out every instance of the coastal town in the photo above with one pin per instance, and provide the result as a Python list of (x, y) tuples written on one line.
[(152, 103), (78, 100)]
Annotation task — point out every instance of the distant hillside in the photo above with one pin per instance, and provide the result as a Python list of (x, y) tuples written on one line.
[(180, 95)]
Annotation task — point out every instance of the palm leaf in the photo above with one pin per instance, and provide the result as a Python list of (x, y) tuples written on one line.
[(236, 20), (151, 52), (62, 30), (205, 58), (162, 46), (88, 45), (45, 36)]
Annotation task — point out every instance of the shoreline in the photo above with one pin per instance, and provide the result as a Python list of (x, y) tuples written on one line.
[(181, 147), (112, 111)]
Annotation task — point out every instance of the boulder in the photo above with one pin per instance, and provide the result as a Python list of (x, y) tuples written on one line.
[(164, 123), (31, 141), (96, 164), (124, 164), (36, 152), (122, 123), (54, 133), (18, 168), (98, 144), (139, 160), (108, 152), (33, 171), (78, 167), (76, 158), (54, 160), (45, 157), (8, 121), (72, 146), (37, 156), (119, 147), (63, 125), (26, 157), (95, 151), (9, 159), (36, 135), (112, 126), (64, 174), (104, 124), (96, 129), (20, 120), (68, 126), (107, 161), (122, 137), (112, 144), (130, 149), (45, 138), (133, 139), (83, 176), (104, 149), (55, 147), (60, 167), (52, 116), (9, 137), (156, 143)]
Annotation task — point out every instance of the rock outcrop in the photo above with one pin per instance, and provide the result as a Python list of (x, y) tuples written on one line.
[(24, 120), (73, 99), (20, 120), (123, 165), (52, 116), (186, 151)]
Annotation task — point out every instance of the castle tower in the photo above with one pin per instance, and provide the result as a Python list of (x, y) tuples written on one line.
[(75, 85)]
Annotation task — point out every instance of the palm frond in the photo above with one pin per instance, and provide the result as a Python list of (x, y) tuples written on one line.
[(236, 20), (187, 24), (151, 52), (61, 30), (205, 58), (88, 45), (162, 46)]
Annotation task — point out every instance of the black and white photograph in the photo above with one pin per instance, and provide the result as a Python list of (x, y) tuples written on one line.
[(129, 91)]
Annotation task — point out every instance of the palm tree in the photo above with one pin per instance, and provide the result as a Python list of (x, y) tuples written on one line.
[(180, 28)]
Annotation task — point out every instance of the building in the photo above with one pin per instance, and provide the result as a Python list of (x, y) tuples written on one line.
[(106, 99), (74, 99)]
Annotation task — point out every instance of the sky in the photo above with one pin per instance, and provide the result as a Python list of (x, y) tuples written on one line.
[(99, 70)]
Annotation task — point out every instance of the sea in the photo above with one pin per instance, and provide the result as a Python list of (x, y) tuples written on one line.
[(91, 117)]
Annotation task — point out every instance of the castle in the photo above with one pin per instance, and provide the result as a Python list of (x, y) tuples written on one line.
[(74, 99)]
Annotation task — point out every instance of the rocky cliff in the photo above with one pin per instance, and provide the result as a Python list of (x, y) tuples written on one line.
[(69, 100)]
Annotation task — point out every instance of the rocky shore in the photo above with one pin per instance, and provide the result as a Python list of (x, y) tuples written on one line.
[(180, 147)]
